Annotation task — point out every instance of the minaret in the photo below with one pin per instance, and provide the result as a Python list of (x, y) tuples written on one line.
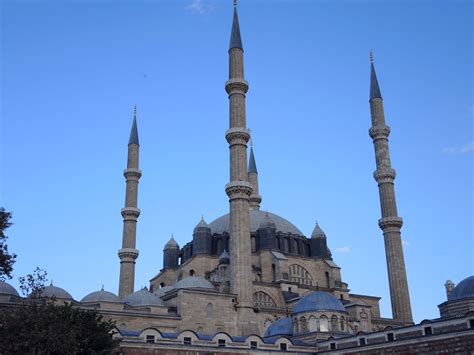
[(239, 189), (390, 223), (128, 254), (255, 198)]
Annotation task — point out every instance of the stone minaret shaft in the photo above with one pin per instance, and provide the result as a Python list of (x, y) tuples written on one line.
[(255, 198), (390, 223), (239, 189), (128, 254)]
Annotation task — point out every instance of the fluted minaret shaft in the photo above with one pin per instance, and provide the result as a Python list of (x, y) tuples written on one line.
[(128, 254), (239, 189), (390, 223), (255, 198)]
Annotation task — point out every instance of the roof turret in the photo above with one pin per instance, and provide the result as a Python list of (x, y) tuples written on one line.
[(224, 258), (202, 224), (318, 232), (171, 244), (252, 164), (267, 222)]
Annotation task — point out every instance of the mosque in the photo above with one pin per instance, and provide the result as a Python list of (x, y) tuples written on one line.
[(252, 281)]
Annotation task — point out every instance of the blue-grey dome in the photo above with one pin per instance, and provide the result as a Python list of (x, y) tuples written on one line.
[(143, 298), (319, 301), (100, 296), (464, 289), (7, 289), (282, 326), (163, 290), (194, 282), (58, 292), (221, 224)]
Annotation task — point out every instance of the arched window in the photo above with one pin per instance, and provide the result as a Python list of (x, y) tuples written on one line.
[(253, 242), (261, 299), (273, 272), (323, 323), (303, 325), (209, 311), (162, 284), (334, 325), (287, 245), (342, 323), (300, 275), (328, 284), (191, 272), (313, 324)]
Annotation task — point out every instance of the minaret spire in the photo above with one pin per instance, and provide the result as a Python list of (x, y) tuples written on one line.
[(390, 223), (255, 198), (239, 189), (128, 254)]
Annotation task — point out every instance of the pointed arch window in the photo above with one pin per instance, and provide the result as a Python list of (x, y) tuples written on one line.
[(300, 275), (262, 299)]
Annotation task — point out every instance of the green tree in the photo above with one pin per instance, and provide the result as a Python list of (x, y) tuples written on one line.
[(6, 259)]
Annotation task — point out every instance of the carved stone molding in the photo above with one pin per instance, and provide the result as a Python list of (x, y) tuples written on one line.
[(132, 174), (236, 86), (390, 222), (237, 135), (128, 254), (384, 175), (238, 190), (130, 213), (379, 132)]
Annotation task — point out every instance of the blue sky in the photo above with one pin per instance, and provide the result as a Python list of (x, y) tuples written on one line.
[(72, 71)]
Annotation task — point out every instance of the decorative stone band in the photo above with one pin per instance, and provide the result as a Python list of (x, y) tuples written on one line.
[(128, 254), (132, 174), (236, 86), (237, 136), (130, 213), (384, 175), (390, 222), (379, 132), (238, 190)]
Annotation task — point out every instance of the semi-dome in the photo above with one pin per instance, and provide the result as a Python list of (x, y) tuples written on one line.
[(54, 291), (143, 297), (100, 296), (282, 326), (319, 301), (194, 282), (464, 289), (221, 224), (161, 291), (7, 289)]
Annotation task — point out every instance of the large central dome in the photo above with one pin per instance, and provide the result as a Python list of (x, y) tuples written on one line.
[(221, 224)]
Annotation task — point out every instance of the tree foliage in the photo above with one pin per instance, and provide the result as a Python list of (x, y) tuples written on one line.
[(6, 259), (46, 328)]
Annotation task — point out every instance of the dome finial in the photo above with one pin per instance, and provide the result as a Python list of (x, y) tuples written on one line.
[(102, 289)]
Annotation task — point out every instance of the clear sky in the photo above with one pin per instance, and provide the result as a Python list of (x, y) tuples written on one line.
[(72, 71)]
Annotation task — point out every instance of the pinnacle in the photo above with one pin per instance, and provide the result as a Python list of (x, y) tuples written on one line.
[(374, 85), (235, 39), (252, 164), (134, 132)]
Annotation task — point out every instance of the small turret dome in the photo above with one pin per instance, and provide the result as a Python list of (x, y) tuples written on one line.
[(224, 258), (171, 244), (194, 282), (100, 296), (464, 289), (58, 292), (7, 289), (282, 326), (143, 298), (267, 222), (318, 232), (319, 301), (202, 224)]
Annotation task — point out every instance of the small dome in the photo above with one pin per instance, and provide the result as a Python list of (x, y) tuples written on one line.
[(449, 283), (318, 232), (100, 296), (267, 222), (161, 292), (464, 289), (58, 292), (319, 301), (171, 244), (7, 289), (224, 258), (282, 326), (201, 224), (194, 282), (143, 298)]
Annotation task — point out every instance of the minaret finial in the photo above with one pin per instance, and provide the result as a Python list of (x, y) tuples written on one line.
[(235, 3), (371, 56), (135, 111), (235, 39), (134, 132)]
